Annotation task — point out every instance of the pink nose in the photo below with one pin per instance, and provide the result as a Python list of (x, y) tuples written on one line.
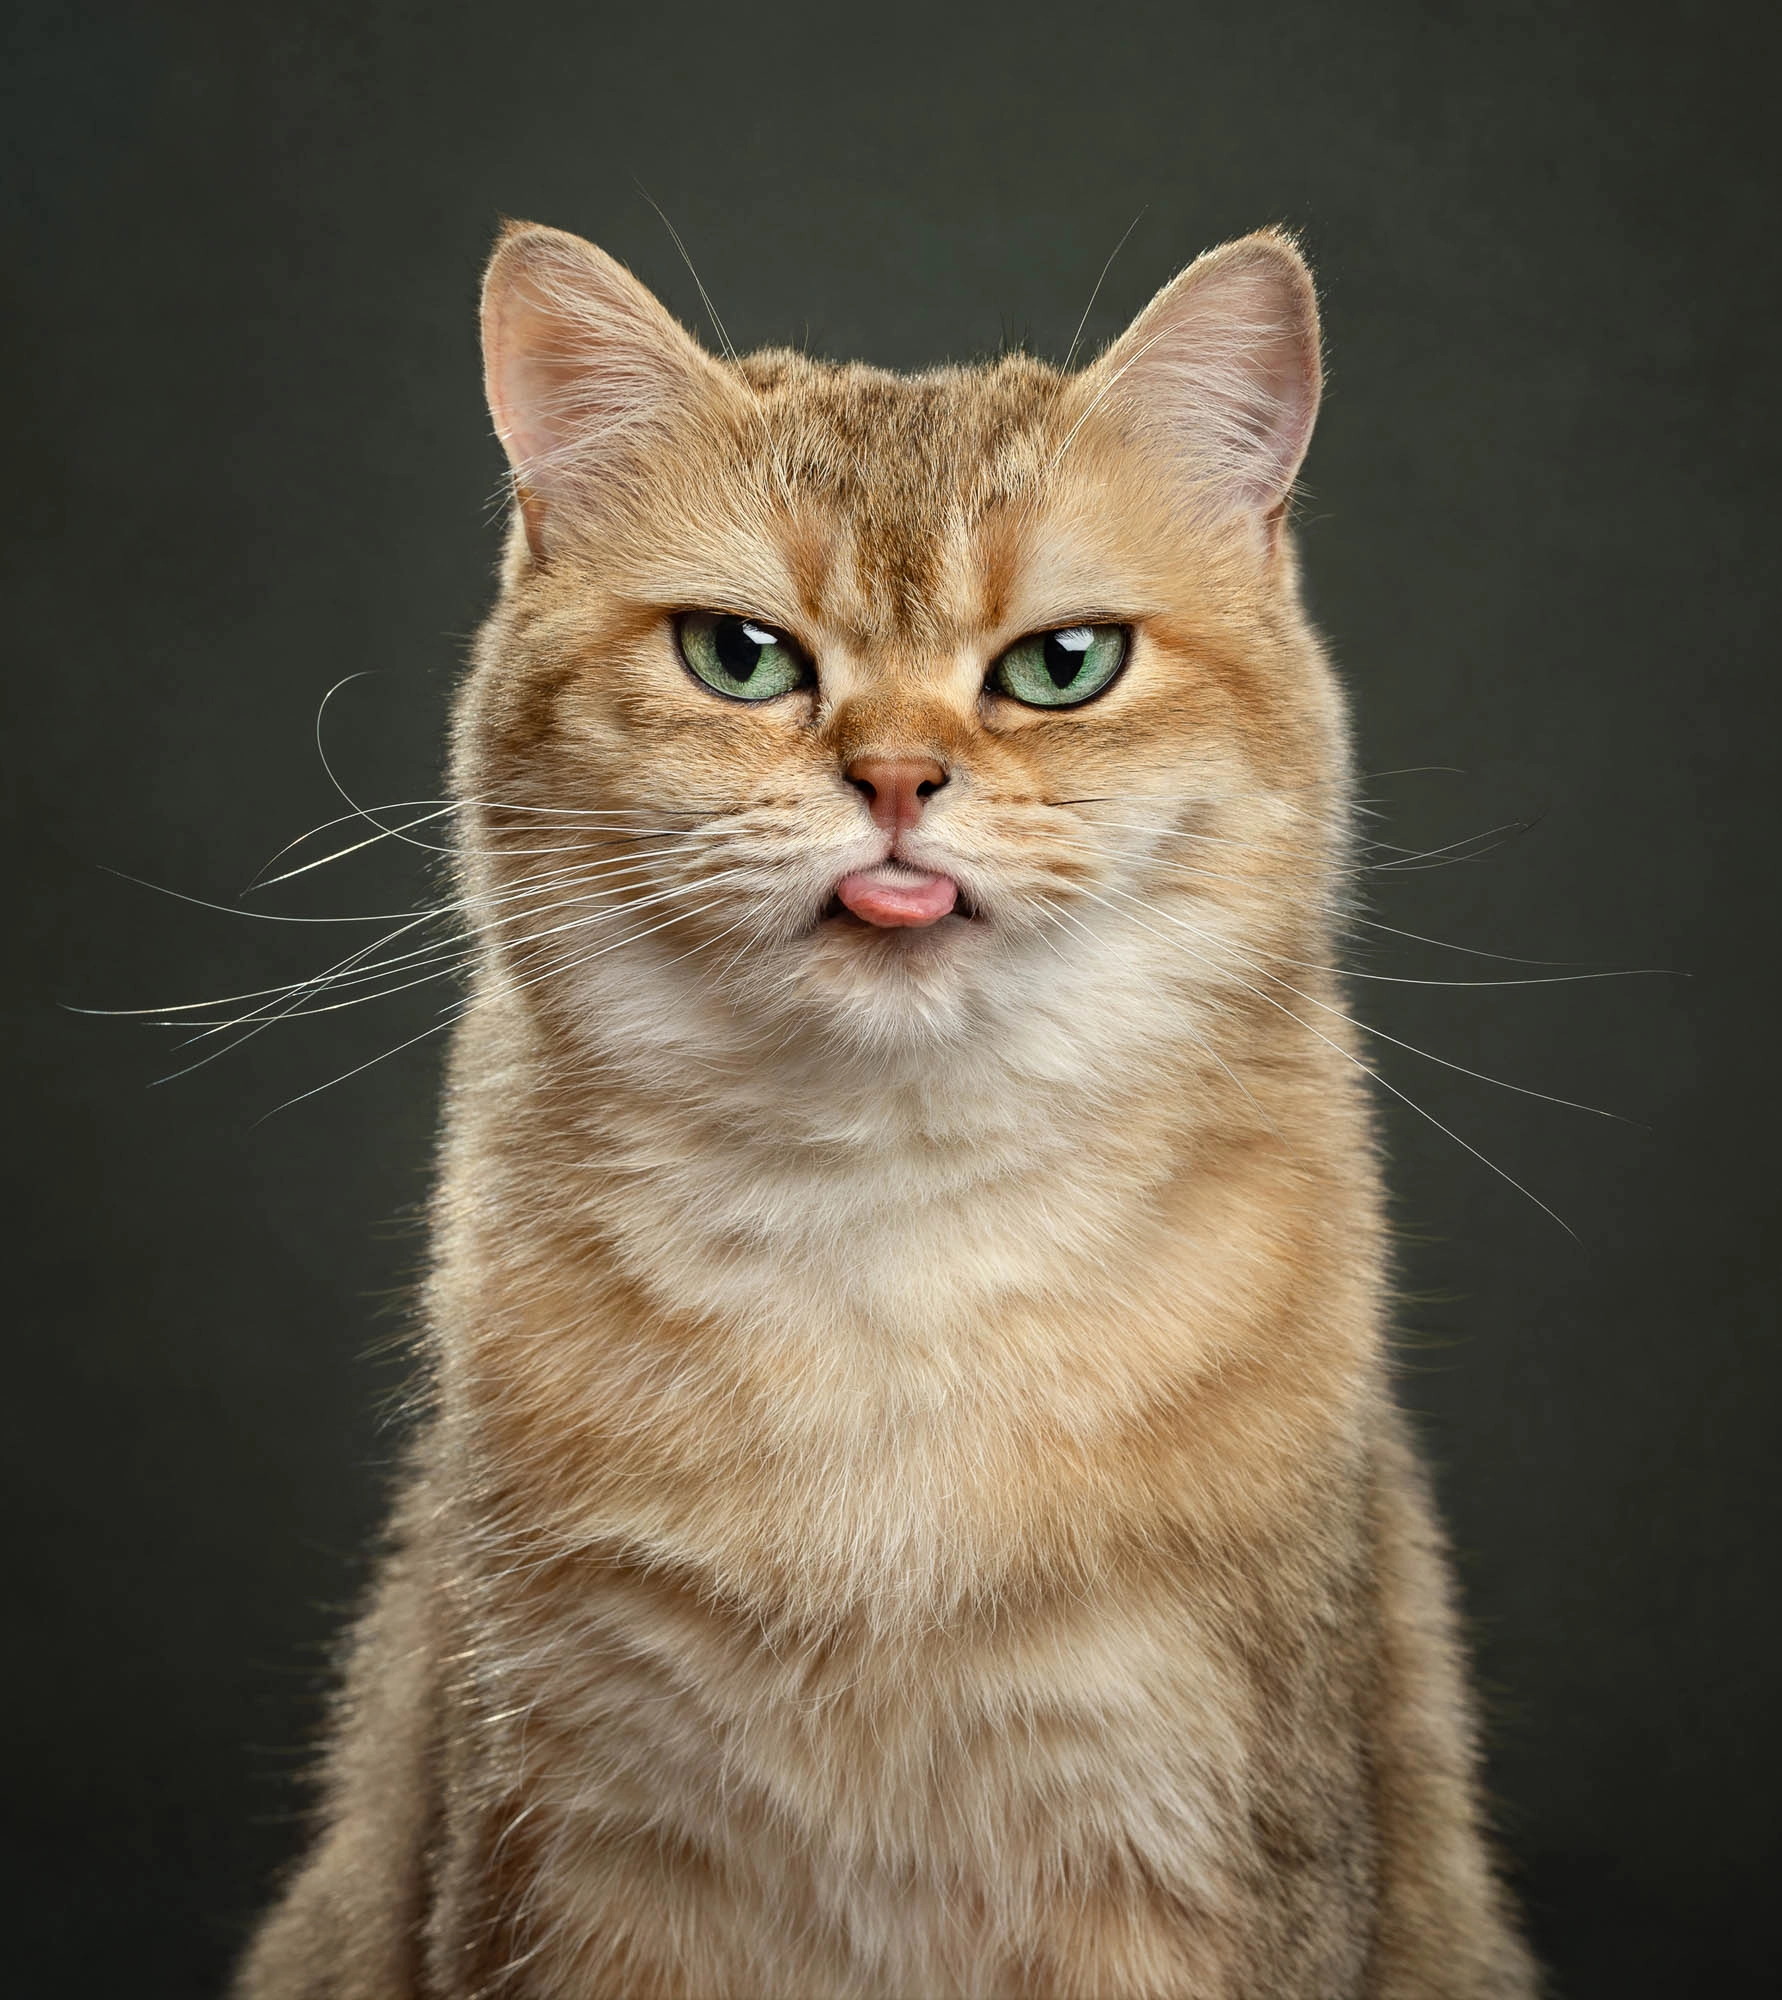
[(896, 788)]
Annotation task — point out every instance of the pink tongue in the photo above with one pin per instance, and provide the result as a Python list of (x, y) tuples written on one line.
[(889, 896)]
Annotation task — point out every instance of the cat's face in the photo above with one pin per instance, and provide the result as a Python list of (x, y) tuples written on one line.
[(892, 712)]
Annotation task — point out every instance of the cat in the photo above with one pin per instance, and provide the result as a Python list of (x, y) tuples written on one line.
[(911, 1502)]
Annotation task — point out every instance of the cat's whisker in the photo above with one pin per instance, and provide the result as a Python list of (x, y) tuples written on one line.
[(532, 937), (455, 952), (382, 981), (457, 957), (573, 961), (362, 966), (1180, 833), (699, 282), (1503, 957), (328, 769), (1101, 396), (1414, 771), (311, 1009), (355, 967), (577, 814), (1321, 824), (1379, 1034), (1200, 1042), (1565, 978), (307, 998), (1180, 796), (1156, 861), (256, 916), (261, 1019), (586, 870), (264, 881), (610, 834), (291, 1002), (743, 923), (438, 1028), (613, 822), (1471, 985), (618, 826), (1226, 971), (264, 1017), (1358, 921), (1076, 338), (295, 1001), (557, 969), (1471, 848), (1052, 910), (353, 805)]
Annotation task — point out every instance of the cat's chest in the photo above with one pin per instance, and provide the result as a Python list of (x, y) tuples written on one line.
[(838, 1380), (897, 1229), (1000, 1750)]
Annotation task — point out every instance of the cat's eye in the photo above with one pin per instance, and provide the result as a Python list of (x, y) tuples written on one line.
[(1063, 668), (740, 657)]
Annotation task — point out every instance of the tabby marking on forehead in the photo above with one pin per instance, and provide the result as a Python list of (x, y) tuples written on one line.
[(914, 467)]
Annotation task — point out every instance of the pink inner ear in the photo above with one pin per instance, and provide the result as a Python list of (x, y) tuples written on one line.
[(524, 385), (1223, 369), (576, 355)]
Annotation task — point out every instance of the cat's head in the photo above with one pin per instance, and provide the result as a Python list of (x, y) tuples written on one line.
[(850, 710)]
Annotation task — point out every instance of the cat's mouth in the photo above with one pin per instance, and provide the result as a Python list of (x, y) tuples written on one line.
[(895, 896)]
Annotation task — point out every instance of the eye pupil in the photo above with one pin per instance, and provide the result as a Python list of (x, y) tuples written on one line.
[(1064, 660), (740, 645)]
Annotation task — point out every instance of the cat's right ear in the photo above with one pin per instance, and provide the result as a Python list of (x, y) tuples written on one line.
[(583, 368)]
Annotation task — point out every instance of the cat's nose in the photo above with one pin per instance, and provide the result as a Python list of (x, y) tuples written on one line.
[(895, 788)]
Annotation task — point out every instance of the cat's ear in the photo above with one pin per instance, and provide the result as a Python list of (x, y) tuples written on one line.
[(583, 369), (1222, 370)]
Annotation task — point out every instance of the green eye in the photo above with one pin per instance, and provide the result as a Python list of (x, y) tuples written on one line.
[(1060, 669), (739, 657)]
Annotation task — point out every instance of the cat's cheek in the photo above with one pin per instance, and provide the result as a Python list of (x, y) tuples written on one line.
[(672, 738)]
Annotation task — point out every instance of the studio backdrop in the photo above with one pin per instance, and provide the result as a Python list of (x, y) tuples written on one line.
[(255, 505)]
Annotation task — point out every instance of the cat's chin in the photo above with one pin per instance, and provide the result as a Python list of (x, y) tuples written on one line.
[(886, 985)]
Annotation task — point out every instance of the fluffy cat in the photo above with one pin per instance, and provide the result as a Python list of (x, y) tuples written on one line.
[(910, 1503)]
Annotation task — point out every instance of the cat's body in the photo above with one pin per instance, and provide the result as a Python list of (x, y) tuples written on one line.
[(911, 1505)]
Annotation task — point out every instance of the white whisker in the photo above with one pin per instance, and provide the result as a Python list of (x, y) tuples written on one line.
[(1373, 1074)]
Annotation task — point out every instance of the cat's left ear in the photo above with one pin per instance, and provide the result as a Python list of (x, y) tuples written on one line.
[(1222, 371)]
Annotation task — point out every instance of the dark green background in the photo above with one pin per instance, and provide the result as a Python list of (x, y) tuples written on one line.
[(1539, 528)]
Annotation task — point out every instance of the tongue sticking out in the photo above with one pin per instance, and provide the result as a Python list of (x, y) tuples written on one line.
[(891, 895)]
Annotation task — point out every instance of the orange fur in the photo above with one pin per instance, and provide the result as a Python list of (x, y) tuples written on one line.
[(911, 1505)]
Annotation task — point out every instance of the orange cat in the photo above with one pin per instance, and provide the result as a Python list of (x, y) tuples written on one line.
[(911, 1504)]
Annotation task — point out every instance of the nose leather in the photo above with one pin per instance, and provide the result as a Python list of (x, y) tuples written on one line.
[(895, 788)]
